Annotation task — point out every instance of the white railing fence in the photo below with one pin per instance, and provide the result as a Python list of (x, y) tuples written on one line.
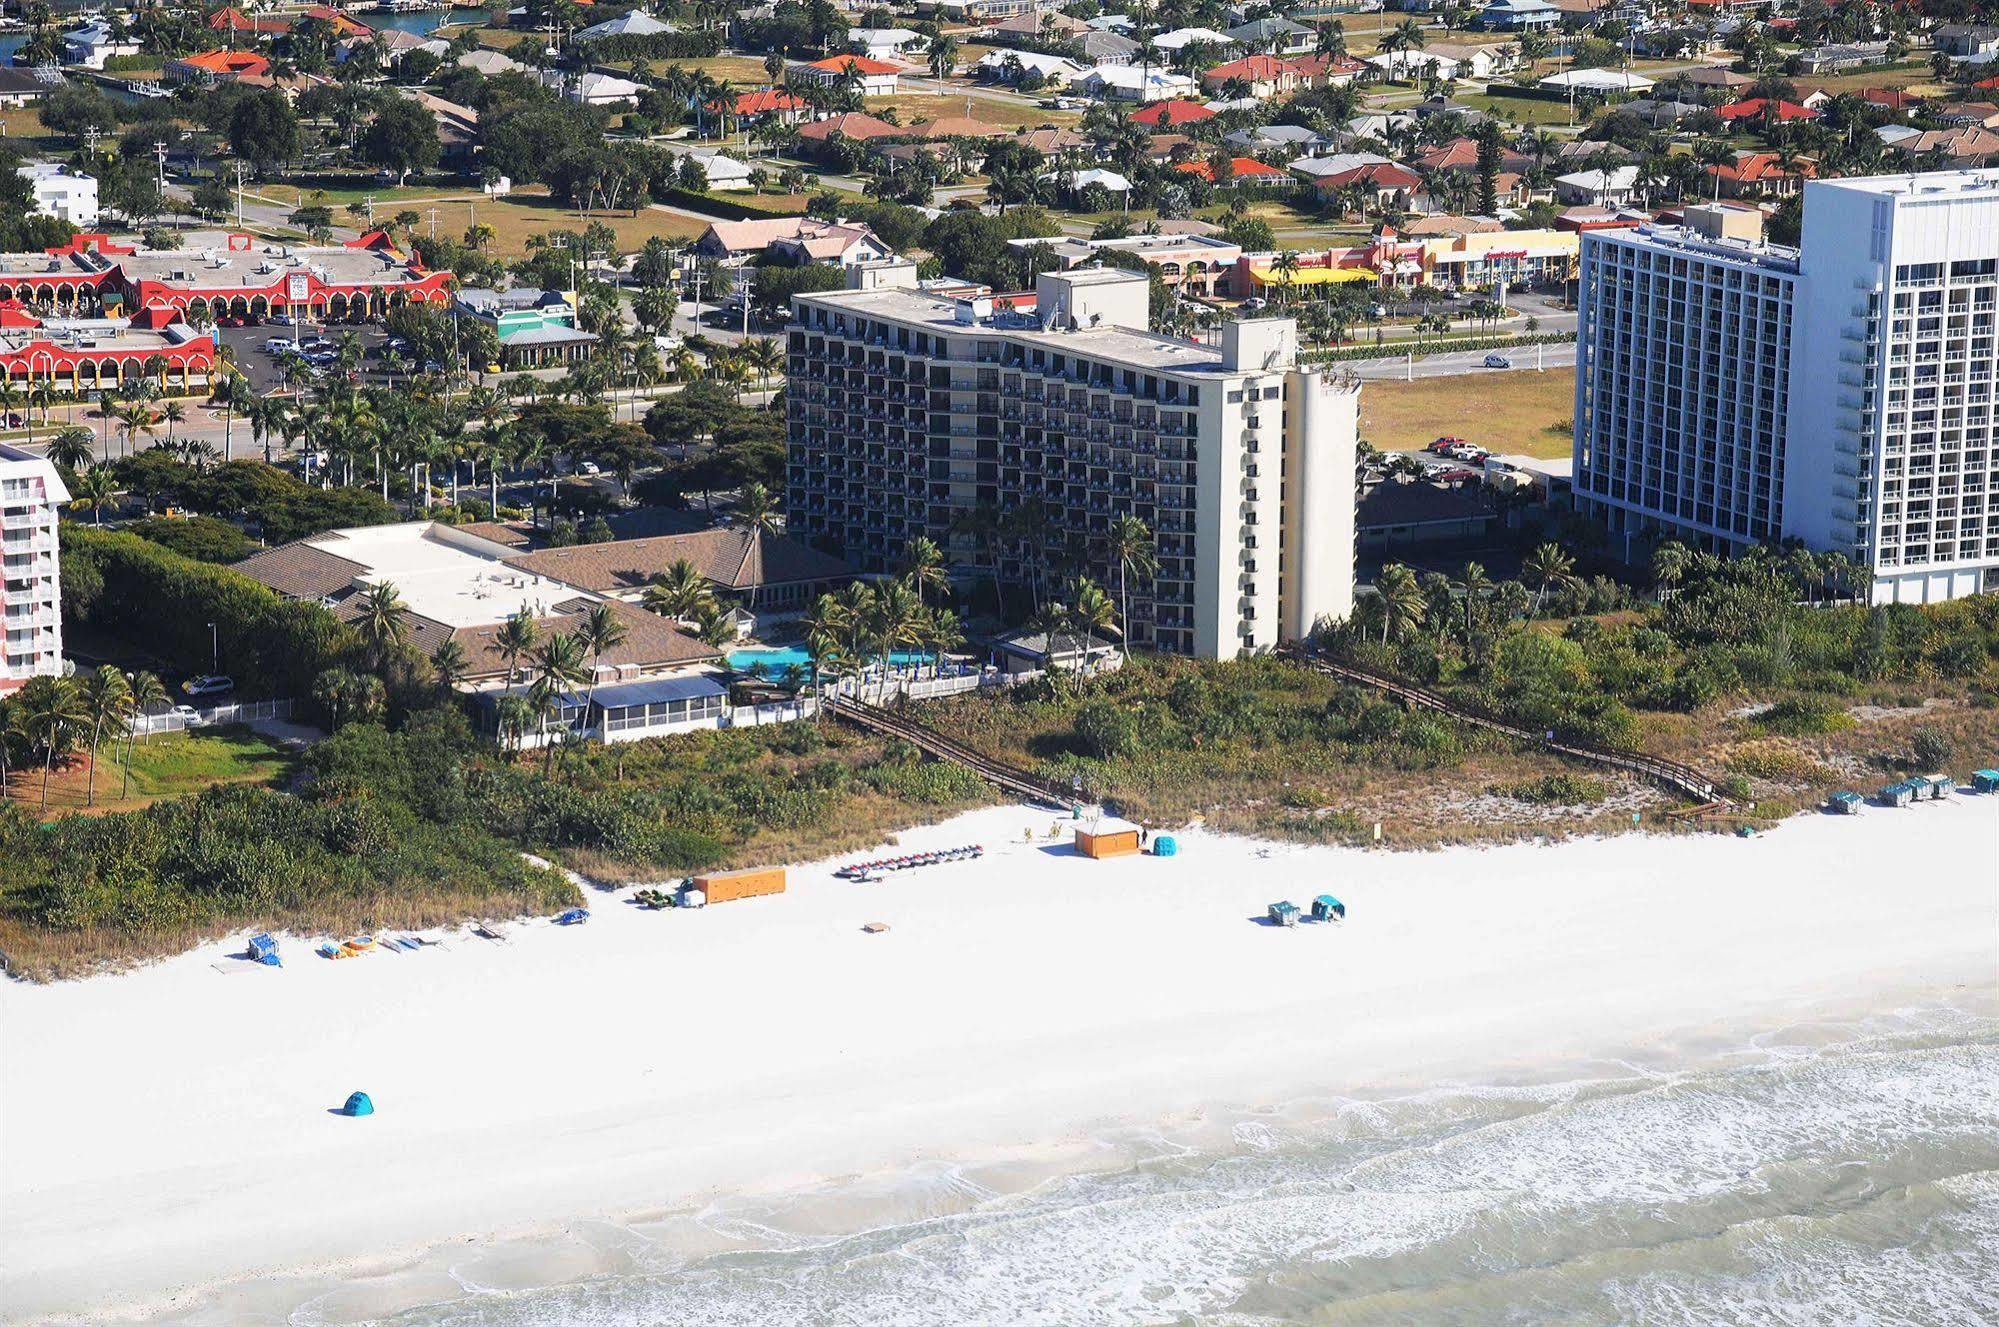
[(172, 721)]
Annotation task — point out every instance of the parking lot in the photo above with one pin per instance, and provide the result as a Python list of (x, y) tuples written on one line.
[(267, 372)]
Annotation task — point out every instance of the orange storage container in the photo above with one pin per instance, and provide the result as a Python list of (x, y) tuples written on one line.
[(723, 886)]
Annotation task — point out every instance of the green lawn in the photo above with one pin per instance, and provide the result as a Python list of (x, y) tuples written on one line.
[(1521, 412), (171, 764)]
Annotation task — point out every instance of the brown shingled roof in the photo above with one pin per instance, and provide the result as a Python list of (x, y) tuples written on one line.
[(650, 641), (300, 571), (728, 558)]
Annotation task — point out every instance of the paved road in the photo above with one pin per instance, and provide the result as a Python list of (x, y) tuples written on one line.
[(1525, 359)]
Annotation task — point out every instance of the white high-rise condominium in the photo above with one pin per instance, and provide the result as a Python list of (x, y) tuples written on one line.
[(913, 414), (30, 574), (1730, 391)]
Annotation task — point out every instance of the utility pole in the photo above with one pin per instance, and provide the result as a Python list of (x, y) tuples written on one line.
[(239, 195), (368, 201), (433, 223)]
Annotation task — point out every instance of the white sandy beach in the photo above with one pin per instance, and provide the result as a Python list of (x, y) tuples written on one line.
[(169, 1129)]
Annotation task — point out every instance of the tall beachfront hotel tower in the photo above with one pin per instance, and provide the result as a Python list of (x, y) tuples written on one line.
[(31, 492), (1730, 391), (909, 410)]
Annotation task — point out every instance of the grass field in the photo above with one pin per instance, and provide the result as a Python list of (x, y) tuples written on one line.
[(165, 765), (1518, 110), (1512, 412), (1008, 114)]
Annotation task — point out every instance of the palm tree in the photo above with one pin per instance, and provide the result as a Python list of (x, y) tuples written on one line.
[(943, 56), (109, 697), (53, 712), (1131, 550), (1546, 568), (557, 666), (1092, 612), (516, 636), (1670, 561), (1472, 585), (1285, 265), (512, 715), (148, 694), (923, 566), (447, 663), (71, 449), (382, 620), (600, 630), (1402, 602), (94, 490), (681, 591), (946, 634), (762, 354)]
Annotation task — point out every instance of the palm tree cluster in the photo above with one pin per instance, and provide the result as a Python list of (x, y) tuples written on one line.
[(1470, 609), (53, 718), (887, 626)]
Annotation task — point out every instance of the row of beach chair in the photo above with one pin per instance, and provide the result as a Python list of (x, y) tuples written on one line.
[(366, 944), (868, 870)]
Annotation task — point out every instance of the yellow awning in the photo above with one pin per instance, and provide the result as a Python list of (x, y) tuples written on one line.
[(1314, 276)]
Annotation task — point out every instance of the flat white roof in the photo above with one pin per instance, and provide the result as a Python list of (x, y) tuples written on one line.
[(446, 574), (1919, 184)]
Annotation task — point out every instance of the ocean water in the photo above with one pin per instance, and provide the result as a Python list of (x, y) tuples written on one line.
[(1824, 1174)]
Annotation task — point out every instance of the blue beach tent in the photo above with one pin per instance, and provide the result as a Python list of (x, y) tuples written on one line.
[(358, 1105), (265, 950), (1985, 780), (1326, 908), (1164, 845)]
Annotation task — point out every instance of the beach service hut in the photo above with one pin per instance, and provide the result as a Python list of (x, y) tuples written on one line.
[(1985, 780), (1896, 794), (1284, 914), (1940, 786), (358, 1104), (265, 950), (752, 882), (1326, 908), (1845, 803), (1164, 845), (1107, 836)]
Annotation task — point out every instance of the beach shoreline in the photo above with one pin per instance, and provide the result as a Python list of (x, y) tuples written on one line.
[(1018, 1007)]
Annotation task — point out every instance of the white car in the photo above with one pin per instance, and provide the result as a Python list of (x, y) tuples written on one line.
[(589, 468), (212, 684), (280, 345), (189, 716)]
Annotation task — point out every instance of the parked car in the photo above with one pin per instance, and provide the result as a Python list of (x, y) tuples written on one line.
[(1455, 475), (589, 468), (280, 345), (209, 684), (1497, 361), (189, 716), (1253, 303), (1442, 445)]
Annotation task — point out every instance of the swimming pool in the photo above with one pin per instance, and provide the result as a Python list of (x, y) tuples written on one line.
[(775, 659)]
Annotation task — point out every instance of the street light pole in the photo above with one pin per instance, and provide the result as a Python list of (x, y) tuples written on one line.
[(214, 649)]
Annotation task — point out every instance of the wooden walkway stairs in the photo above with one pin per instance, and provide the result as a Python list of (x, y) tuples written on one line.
[(1681, 778), (1016, 781)]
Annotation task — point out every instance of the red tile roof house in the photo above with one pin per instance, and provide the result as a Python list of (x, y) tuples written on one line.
[(1266, 76), (1769, 112), (1166, 114), (765, 104), (852, 125), (1242, 171), (1392, 187), (216, 67), (1326, 70), (1760, 175), (878, 77)]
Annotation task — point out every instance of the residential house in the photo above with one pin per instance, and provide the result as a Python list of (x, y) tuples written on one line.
[(1322, 71), (1841, 56), (723, 171), (1518, 15), (1976, 42), (1276, 36), (1480, 61), (1012, 66), (594, 89), (636, 23), (1178, 39), (1265, 76), (1053, 142), (491, 63), (878, 78), (841, 244), (1595, 82), (24, 87), (1657, 113), (1600, 188), (1765, 111), (1412, 64), (1760, 175), (798, 239), (882, 44), (1106, 48), (1958, 148), (1076, 180), (213, 67), (1983, 114), (1042, 25), (1294, 139), (1242, 171), (92, 44), (1690, 84), (1376, 183), (852, 126), (1167, 114), (1134, 83), (766, 104), (63, 193)]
